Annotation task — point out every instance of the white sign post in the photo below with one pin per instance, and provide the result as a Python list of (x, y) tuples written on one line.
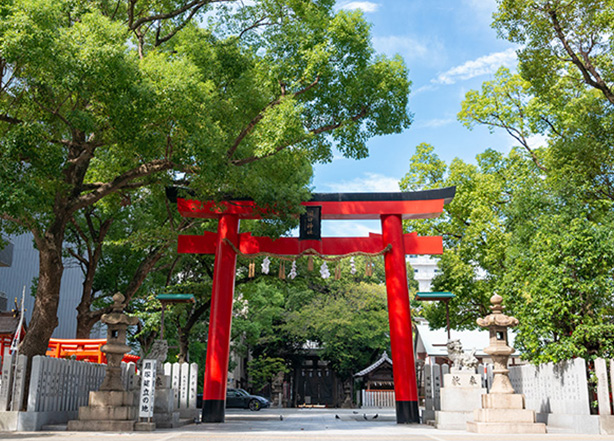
[(148, 389)]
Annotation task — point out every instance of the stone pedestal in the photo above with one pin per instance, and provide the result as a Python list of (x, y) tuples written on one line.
[(166, 415), (112, 411), (460, 396), (504, 413)]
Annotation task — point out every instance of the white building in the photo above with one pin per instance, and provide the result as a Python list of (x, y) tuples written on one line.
[(21, 271), (425, 269)]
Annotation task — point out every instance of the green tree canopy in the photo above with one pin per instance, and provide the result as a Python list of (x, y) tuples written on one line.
[(232, 98)]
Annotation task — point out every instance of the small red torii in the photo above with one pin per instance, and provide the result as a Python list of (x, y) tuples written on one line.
[(390, 208)]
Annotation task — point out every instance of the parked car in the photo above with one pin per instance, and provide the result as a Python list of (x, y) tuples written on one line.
[(240, 398)]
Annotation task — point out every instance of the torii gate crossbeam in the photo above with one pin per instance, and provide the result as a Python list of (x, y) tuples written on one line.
[(390, 208)]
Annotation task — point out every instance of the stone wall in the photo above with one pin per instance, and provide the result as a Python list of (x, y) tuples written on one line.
[(58, 387), (558, 393)]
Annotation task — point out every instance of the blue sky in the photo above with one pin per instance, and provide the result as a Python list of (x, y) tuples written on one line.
[(449, 48)]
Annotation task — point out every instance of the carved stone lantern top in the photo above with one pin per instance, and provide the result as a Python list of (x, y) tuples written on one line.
[(117, 316), (497, 318)]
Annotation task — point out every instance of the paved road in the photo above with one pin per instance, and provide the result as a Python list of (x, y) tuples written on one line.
[(299, 424)]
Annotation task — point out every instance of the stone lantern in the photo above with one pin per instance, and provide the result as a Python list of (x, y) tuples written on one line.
[(502, 410), (117, 323), (497, 323)]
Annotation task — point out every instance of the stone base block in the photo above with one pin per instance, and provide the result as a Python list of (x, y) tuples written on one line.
[(164, 401), (111, 398), (504, 415), (167, 420), (189, 413), (143, 426), (500, 427), (461, 399), (163, 382), (100, 426), (428, 415), (503, 401), (452, 420), (104, 413), (431, 403)]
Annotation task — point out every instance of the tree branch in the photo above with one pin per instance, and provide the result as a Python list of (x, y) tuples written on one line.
[(193, 4), (313, 132), (252, 124), (179, 27), (122, 181), (589, 72), (10, 119)]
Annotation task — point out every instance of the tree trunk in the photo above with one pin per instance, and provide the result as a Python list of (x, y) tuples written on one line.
[(183, 356), (44, 315), (85, 322)]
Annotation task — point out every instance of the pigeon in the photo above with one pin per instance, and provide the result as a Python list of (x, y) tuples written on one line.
[(337, 417), (364, 415), (281, 417), (376, 415), (354, 412)]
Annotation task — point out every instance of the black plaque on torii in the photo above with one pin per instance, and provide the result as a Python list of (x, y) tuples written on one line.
[(311, 223)]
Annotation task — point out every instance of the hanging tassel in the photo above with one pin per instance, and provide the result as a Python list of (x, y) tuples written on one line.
[(282, 270), (252, 270), (310, 263), (338, 271), (369, 269)]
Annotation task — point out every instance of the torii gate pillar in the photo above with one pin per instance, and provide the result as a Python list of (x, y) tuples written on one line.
[(218, 344), (401, 342), (390, 208)]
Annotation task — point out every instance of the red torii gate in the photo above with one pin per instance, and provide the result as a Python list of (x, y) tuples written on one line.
[(390, 208)]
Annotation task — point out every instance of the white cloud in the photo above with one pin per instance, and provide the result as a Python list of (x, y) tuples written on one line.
[(430, 51), (370, 182), (486, 65), (363, 6), (433, 123)]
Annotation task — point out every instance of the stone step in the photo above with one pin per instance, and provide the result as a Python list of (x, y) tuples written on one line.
[(504, 415), (452, 420), (117, 413), (499, 427), (111, 398), (503, 401), (100, 426)]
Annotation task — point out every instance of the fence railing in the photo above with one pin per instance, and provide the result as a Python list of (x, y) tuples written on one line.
[(378, 398)]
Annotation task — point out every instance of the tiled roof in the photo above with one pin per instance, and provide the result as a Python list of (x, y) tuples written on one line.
[(8, 323), (375, 365)]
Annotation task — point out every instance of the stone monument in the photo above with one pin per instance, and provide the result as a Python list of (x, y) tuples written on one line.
[(502, 411), (461, 391), (166, 414), (111, 408)]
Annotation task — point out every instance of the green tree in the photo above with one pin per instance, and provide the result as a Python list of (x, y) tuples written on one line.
[(98, 98), (564, 41)]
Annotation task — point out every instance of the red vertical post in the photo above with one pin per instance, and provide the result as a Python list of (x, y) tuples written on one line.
[(218, 345), (403, 365)]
